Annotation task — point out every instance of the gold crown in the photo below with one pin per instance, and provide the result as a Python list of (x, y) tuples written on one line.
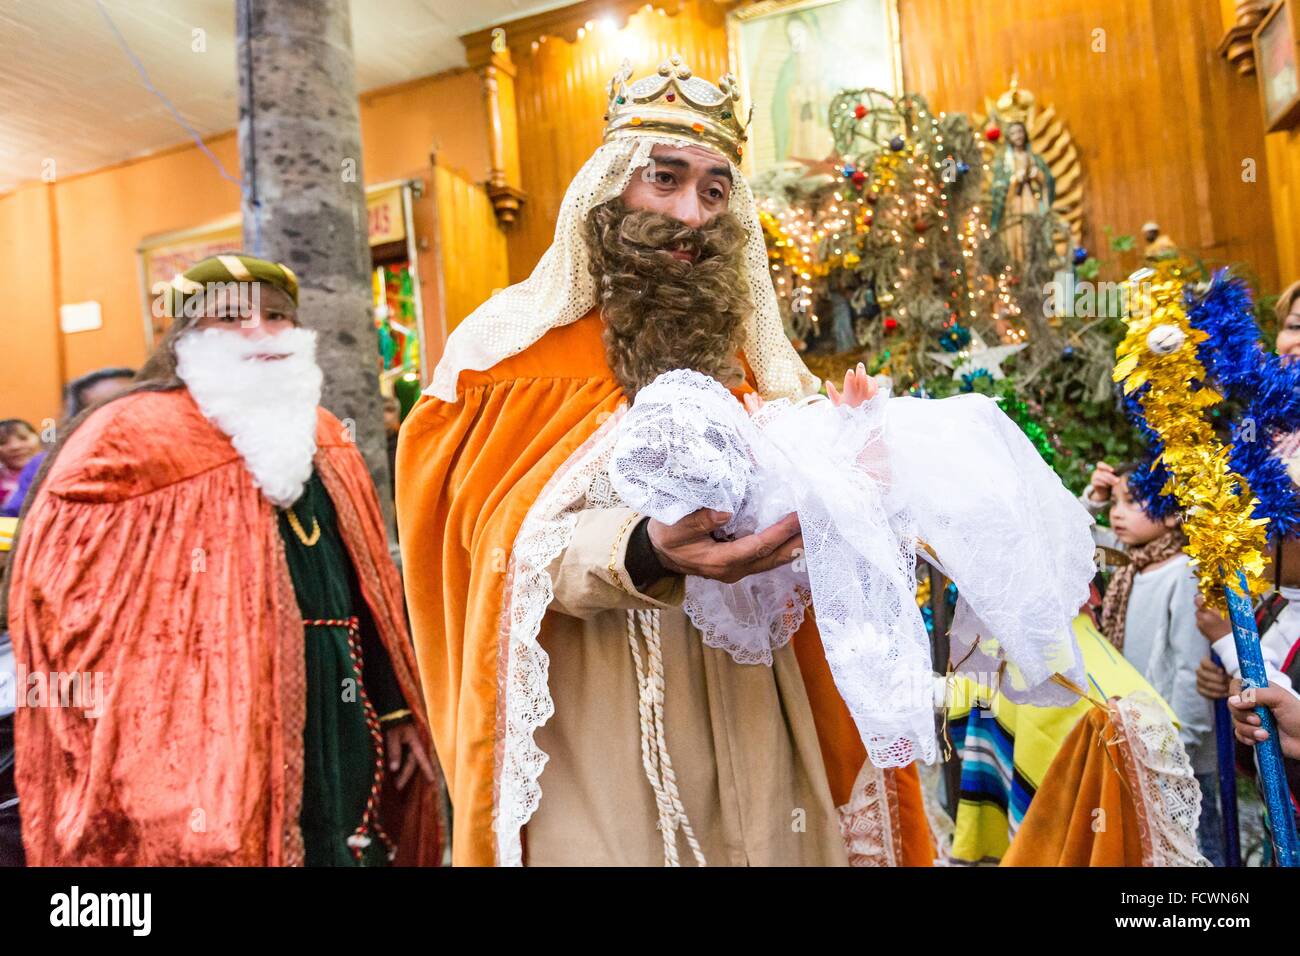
[(675, 103), (1015, 105)]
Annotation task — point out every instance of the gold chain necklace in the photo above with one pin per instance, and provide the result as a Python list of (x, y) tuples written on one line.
[(296, 525)]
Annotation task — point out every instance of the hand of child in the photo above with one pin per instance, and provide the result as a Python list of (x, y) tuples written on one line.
[(1211, 680), (1286, 711), (1210, 622), (1102, 480), (753, 402), (859, 387)]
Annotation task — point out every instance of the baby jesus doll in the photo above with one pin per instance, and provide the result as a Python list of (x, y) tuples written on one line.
[(875, 481)]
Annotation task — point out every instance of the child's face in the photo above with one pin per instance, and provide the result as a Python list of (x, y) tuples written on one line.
[(1129, 520), (18, 446)]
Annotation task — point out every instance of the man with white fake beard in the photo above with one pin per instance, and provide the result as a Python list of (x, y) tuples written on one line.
[(210, 542)]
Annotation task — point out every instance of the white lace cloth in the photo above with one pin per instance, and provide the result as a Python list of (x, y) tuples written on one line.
[(866, 483)]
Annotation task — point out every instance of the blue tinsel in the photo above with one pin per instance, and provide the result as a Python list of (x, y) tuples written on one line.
[(1268, 389), (1149, 477)]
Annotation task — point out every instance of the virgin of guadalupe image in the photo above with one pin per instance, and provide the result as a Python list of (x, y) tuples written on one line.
[(801, 96), (1023, 185)]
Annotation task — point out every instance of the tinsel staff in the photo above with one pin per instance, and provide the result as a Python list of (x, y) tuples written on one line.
[(1169, 392)]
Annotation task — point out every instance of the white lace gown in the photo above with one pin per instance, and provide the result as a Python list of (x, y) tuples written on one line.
[(869, 484)]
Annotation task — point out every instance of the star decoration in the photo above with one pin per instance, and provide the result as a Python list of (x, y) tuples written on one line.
[(977, 355)]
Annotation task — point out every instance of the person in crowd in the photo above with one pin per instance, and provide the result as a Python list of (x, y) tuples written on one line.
[(19, 443), (11, 844), (79, 394), (1149, 613), (1280, 626), (94, 387)]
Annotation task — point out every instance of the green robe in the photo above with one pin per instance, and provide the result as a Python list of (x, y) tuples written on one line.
[(338, 753)]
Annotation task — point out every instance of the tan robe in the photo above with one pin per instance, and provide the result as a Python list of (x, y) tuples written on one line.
[(740, 736)]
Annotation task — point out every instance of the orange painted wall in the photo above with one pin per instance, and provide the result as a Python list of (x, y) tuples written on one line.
[(102, 216), (77, 239), (31, 379)]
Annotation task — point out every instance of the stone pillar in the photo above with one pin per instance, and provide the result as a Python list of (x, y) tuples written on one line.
[(304, 200)]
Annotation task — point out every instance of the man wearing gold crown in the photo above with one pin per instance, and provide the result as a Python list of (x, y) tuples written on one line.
[(580, 717), (207, 550)]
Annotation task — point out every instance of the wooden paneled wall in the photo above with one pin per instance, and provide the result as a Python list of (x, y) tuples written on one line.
[(1283, 172), (1163, 123), (471, 247)]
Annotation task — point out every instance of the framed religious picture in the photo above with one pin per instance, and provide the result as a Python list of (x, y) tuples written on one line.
[(792, 56), (1276, 43)]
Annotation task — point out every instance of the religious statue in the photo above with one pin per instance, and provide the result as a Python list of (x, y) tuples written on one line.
[(1023, 184), (1158, 245)]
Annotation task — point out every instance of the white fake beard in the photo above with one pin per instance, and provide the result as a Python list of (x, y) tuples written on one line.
[(267, 408)]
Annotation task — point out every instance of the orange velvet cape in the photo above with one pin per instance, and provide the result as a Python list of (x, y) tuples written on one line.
[(467, 474), (1084, 813), (149, 556)]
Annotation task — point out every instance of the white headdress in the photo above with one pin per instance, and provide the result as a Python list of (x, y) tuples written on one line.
[(561, 290)]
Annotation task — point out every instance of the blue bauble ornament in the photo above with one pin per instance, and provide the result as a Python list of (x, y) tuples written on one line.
[(896, 144), (848, 171), (1080, 255), (963, 169), (1067, 352)]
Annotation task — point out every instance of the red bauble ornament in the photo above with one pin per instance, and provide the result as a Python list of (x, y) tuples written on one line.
[(993, 134), (859, 111), (920, 226), (858, 177), (891, 323)]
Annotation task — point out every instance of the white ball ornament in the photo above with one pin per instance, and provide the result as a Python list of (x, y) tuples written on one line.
[(1164, 339)]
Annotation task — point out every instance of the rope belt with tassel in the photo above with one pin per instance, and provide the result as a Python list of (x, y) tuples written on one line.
[(654, 749), (361, 836)]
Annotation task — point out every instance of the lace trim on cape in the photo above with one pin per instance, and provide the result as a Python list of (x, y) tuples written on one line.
[(1161, 782), (580, 483), (869, 821)]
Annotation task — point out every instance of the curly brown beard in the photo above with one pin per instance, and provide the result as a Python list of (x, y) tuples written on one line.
[(661, 312)]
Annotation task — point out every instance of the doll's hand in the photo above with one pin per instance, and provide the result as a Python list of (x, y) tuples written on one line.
[(859, 387)]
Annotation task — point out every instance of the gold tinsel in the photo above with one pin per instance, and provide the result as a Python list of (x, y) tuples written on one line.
[(1222, 535)]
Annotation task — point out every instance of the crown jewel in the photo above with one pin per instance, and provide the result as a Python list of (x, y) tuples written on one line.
[(674, 102)]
